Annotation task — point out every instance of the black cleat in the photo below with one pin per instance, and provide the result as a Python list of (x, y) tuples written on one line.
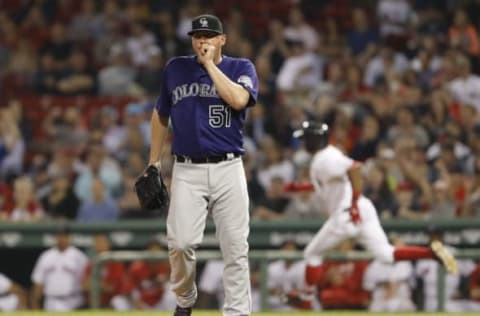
[(182, 311)]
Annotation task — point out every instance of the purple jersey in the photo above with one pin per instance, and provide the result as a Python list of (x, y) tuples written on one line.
[(203, 124)]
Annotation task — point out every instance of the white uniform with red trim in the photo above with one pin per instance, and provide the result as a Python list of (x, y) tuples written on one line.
[(60, 273), (329, 175)]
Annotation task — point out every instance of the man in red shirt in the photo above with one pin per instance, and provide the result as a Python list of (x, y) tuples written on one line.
[(146, 284), (112, 274), (339, 285)]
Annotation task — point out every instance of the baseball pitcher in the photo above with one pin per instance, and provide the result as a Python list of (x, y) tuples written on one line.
[(206, 96)]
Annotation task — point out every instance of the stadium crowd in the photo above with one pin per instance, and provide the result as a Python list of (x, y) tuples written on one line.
[(397, 81)]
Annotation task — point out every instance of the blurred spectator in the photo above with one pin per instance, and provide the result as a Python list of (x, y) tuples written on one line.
[(139, 43), (66, 126), (465, 86), (117, 78), (147, 287), (34, 27), (362, 38), (462, 34), (13, 295), (437, 116), (275, 49), (449, 146), (301, 70), (12, 146), (187, 12), (112, 274), (57, 275), (334, 80), (405, 127), (386, 61), (48, 74), (18, 115), (378, 190), (366, 146), (333, 43), (304, 204), (266, 84), (136, 132), (87, 25), (22, 64), (353, 89), (113, 131), (443, 204), (428, 62), (98, 163), (300, 30), (61, 202), (113, 35), (274, 164), (150, 76), (101, 208), (395, 18), (79, 78), (409, 206), (58, 45), (472, 202), (25, 206), (414, 167), (167, 40), (274, 204)]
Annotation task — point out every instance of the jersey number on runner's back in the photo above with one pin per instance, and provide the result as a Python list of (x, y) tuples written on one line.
[(219, 115)]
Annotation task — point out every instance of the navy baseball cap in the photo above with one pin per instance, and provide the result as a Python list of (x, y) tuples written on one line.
[(206, 23)]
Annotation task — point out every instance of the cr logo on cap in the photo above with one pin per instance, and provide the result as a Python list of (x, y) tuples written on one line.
[(204, 22)]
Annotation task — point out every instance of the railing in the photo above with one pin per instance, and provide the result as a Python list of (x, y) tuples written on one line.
[(131, 234), (263, 257)]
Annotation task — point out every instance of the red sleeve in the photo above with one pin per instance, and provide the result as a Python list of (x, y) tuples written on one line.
[(475, 278)]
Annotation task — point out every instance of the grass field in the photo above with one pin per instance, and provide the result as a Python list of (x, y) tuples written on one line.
[(217, 313)]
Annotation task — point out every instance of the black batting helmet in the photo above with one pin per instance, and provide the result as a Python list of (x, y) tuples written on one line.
[(314, 134)]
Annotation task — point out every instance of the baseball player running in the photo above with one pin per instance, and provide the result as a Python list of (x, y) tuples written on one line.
[(337, 180), (205, 96)]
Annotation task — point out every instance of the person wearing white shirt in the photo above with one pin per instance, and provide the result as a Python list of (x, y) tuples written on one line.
[(427, 270), (390, 285), (465, 88), (394, 17), (57, 275), (12, 296)]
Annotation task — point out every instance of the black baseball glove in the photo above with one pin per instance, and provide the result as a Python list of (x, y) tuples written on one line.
[(152, 191)]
